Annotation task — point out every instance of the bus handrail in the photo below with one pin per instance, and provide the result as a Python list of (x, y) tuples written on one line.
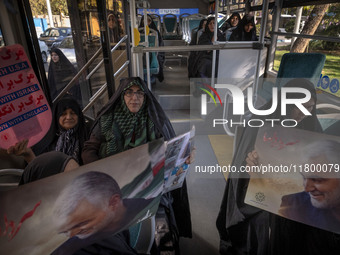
[(316, 37), (216, 46), (76, 77), (102, 61), (101, 91)]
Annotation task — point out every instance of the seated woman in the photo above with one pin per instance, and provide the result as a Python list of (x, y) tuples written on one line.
[(244, 229), (160, 55), (194, 40), (245, 30), (230, 25), (131, 118), (196, 35), (47, 164), (67, 133), (204, 58)]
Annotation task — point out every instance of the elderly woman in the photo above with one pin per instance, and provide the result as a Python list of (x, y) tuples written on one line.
[(131, 118), (67, 133)]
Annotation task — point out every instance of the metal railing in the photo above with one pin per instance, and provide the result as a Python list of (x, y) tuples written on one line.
[(76, 77), (102, 61), (102, 89)]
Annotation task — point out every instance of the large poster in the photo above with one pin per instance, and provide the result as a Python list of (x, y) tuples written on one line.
[(24, 110), (54, 215), (297, 176)]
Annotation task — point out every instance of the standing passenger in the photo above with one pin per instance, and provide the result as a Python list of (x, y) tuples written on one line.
[(60, 73)]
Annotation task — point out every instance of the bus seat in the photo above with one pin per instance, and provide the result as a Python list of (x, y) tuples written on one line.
[(153, 42), (193, 23), (301, 65), (142, 235), (157, 20), (329, 118), (170, 26), (295, 65), (181, 27), (9, 178)]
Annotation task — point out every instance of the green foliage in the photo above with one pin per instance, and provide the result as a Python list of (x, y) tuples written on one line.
[(333, 31), (39, 7)]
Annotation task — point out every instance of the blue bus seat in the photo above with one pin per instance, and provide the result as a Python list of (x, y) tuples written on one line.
[(295, 65), (153, 42), (181, 23), (142, 235), (170, 26), (157, 20)]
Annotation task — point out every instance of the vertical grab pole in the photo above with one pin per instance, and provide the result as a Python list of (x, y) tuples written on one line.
[(133, 26), (214, 51), (147, 54), (261, 41)]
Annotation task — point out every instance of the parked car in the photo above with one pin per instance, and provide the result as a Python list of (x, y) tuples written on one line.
[(44, 51), (67, 47), (56, 34)]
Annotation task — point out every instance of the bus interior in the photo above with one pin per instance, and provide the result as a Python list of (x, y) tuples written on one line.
[(101, 63)]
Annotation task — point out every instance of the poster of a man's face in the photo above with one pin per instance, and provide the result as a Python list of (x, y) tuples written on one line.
[(302, 178), (62, 213)]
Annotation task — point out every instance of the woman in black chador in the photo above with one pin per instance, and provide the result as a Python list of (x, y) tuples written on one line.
[(60, 73), (245, 30), (204, 58)]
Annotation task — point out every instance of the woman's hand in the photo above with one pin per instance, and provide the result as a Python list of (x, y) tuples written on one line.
[(20, 149), (252, 158)]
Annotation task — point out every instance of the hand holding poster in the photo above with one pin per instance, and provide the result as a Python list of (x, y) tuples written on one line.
[(24, 110), (297, 176), (62, 213), (177, 152)]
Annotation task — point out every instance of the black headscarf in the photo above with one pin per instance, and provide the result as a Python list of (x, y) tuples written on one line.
[(60, 74), (68, 141), (242, 226), (115, 32), (239, 34), (44, 165), (207, 35), (227, 24), (164, 129), (155, 111)]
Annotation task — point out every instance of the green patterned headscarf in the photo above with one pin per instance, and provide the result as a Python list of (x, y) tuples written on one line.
[(123, 129)]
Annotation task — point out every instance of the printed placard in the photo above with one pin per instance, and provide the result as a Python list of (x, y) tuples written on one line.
[(24, 110), (297, 176), (39, 217)]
